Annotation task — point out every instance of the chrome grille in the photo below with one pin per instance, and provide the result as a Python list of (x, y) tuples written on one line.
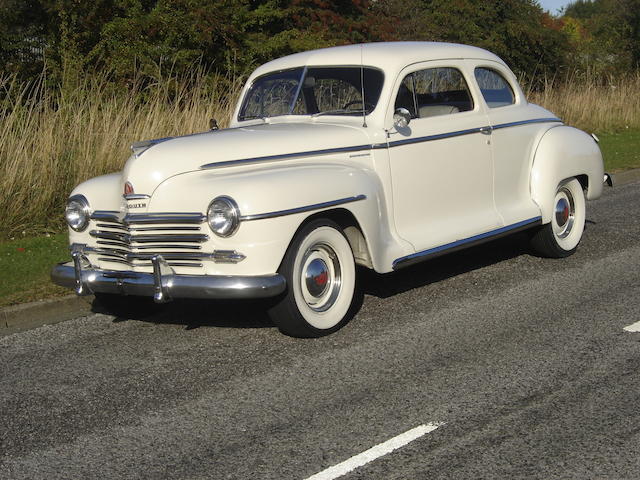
[(134, 239)]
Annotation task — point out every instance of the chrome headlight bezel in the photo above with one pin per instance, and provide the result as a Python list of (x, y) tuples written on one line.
[(223, 208), (77, 212)]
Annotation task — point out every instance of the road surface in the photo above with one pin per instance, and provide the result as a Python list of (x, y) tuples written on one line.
[(500, 364)]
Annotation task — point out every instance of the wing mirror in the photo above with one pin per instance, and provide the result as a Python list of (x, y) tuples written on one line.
[(401, 118)]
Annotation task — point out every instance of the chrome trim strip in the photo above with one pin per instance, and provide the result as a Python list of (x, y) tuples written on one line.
[(144, 218), (136, 196), (144, 265), (176, 286), (126, 238), (218, 256), (119, 226), (359, 148), (148, 247), (526, 122), (464, 243), (438, 136), (307, 208), (284, 156)]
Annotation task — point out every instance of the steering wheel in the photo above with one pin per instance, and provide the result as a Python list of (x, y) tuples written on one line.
[(367, 105)]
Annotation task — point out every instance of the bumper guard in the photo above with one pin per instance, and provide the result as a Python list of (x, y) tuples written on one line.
[(163, 284)]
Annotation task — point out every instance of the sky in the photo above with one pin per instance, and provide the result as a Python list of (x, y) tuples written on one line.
[(553, 5)]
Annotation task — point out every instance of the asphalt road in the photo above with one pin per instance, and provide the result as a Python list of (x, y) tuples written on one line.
[(521, 361)]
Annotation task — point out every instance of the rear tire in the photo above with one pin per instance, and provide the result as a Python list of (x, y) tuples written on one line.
[(560, 237), (320, 271)]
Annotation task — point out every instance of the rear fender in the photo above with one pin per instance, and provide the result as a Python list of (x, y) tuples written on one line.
[(565, 152)]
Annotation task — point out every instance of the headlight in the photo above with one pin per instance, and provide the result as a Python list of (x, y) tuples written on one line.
[(223, 216), (77, 212)]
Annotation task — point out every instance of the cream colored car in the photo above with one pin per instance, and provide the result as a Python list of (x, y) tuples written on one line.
[(379, 155)]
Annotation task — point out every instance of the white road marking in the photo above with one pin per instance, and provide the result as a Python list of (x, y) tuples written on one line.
[(375, 452), (633, 328)]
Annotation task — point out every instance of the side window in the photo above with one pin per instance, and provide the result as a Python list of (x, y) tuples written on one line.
[(405, 97), (433, 92), (495, 89)]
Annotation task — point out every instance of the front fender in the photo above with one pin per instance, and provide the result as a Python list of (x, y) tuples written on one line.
[(564, 152), (277, 190)]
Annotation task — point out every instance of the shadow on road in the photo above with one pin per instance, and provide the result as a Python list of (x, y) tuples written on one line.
[(253, 314), (441, 268)]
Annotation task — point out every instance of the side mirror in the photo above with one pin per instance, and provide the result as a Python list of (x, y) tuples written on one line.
[(401, 118)]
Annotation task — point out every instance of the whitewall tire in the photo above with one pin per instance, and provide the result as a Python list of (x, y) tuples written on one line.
[(560, 237), (321, 277)]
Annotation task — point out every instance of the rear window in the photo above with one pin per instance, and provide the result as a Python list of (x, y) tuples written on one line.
[(495, 89), (433, 92)]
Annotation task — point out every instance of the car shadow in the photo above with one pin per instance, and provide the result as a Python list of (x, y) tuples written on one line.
[(253, 313), (446, 266), (191, 313)]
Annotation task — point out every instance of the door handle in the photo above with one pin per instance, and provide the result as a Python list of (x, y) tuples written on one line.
[(486, 130)]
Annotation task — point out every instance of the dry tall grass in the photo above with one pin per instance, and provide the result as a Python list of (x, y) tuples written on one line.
[(591, 105), (51, 140)]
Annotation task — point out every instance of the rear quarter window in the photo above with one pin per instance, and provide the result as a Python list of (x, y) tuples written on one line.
[(497, 92)]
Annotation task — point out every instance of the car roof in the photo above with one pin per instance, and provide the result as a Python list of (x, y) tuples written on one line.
[(388, 56)]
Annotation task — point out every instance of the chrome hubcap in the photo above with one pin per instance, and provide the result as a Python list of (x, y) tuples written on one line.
[(317, 277), (564, 214), (321, 277)]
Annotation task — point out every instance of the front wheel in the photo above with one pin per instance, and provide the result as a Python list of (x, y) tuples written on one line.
[(560, 237), (320, 273)]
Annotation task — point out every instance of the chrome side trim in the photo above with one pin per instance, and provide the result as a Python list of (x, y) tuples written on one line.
[(526, 122), (464, 243), (360, 148), (285, 156), (306, 208), (438, 136)]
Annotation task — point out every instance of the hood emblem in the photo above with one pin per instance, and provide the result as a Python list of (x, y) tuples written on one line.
[(128, 189)]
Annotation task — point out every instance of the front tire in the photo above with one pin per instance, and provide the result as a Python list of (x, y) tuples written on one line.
[(320, 271), (560, 237)]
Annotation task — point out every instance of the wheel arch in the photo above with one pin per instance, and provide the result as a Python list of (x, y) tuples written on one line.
[(351, 228), (563, 153)]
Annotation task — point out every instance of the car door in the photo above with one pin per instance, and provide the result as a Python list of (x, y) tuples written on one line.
[(441, 162), (515, 132)]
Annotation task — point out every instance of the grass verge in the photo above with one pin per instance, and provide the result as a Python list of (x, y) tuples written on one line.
[(25, 265), (621, 151)]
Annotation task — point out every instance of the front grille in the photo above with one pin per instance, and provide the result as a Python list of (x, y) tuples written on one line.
[(135, 238)]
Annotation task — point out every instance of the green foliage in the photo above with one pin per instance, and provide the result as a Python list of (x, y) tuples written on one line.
[(604, 35), (513, 29), (72, 37)]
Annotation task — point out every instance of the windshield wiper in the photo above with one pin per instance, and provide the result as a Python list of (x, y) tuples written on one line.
[(337, 112), (253, 117)]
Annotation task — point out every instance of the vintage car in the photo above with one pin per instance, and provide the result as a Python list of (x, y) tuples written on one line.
[(380, 155)]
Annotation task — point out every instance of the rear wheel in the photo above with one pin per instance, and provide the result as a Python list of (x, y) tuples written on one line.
[(320, 273), (560, 237)]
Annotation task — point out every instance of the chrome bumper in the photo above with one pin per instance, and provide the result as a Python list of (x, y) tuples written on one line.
[(163, 284)]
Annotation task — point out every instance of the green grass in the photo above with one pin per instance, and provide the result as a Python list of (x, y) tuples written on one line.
[(621, 151), (25, 265)]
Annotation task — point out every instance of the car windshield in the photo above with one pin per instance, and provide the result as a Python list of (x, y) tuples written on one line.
[(313, 91)]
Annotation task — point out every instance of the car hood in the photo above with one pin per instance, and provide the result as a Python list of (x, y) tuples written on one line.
[(167, 158)]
